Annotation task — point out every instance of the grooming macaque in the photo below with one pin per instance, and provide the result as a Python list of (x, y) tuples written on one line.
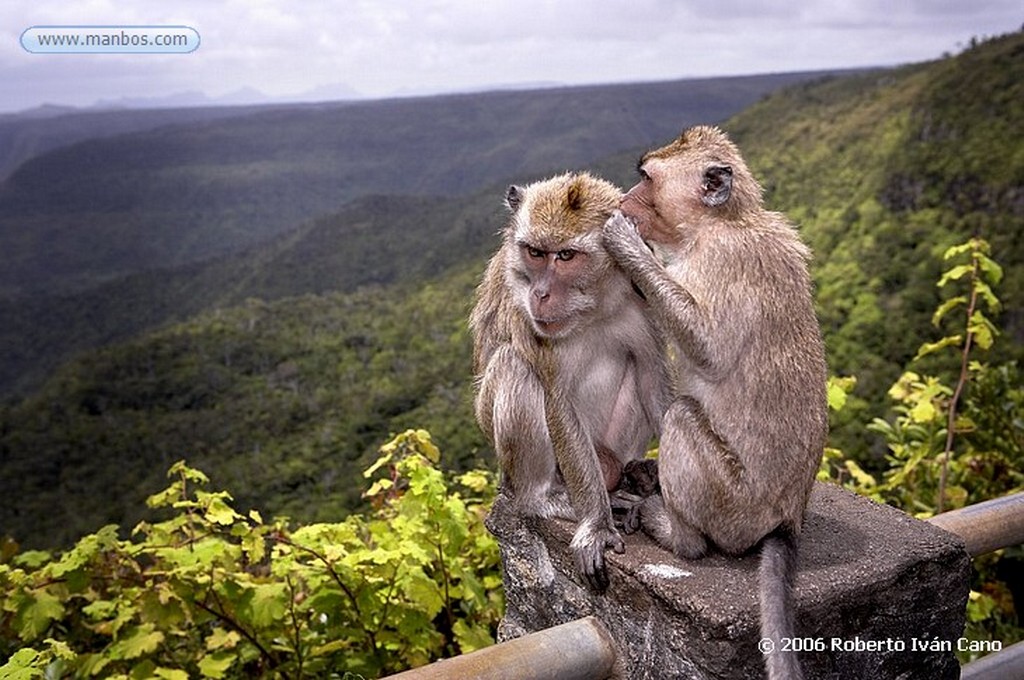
[(569, 369), (743, 437)]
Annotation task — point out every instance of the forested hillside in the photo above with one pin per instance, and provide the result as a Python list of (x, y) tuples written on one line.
[(376, 240), (164, 213), (284, 401), (885, 171), (282, 398), (178, 194)]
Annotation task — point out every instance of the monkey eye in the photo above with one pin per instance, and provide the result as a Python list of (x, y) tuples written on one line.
[(566, 255), (535, 252), (643, 174)]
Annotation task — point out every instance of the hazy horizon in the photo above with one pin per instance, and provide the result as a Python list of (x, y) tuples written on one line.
[(265, 51)]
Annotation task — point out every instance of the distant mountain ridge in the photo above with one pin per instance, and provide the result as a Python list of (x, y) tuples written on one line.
[(106, 237), (208, 182)]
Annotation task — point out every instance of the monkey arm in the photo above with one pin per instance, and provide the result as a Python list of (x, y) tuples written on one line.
[(508, 403), (578, 461), (673, 306)]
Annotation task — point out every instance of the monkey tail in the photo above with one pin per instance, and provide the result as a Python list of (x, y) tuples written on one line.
[(778, 563)]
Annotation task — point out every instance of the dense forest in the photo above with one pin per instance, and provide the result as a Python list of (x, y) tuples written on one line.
[(161, 215), (299, 356)]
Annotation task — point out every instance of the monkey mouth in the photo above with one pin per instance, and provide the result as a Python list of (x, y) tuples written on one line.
[(550, 327)]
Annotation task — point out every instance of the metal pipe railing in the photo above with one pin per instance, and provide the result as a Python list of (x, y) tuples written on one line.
[(583, 649), (986, 526), (578, 650), (1007, 663)]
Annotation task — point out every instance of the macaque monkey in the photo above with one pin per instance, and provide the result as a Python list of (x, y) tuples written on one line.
[(570, 371), (743, 437)]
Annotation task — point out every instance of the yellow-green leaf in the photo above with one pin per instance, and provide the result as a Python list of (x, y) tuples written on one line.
[(427, 447), (21, 666), (946, 307), (378, 486), (955, 274), (471, 638), (35, 617), (141, 641), (425, 593), (923, 412), (32, 559), (836, 396), (221, 638), (269, 603), (216, 665), (958, 249), (929, 347), (858, 474), (476, 480), (991, 268), (331, 647), (380, 462), (979, 606), (983, 330)]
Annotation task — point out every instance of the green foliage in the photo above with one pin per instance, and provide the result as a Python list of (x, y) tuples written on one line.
[(926, 471), (285, 402), (883, 171), (287, 201), (82, 212), (210, 592), (938, 457)]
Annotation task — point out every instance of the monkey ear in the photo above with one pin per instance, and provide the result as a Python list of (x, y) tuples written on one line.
[(514, 197), (717, 185)]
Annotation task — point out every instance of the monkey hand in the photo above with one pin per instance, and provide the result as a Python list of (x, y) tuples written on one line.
[(588, 546), (619, 231), (633, 520), (626, 511)]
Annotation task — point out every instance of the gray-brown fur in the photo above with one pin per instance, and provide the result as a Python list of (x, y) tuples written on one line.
[(743, 436), (570, 376)]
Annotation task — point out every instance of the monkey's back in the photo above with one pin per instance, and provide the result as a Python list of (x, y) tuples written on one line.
[(767, 399)]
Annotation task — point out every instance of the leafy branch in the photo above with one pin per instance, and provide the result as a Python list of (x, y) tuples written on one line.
[(210, 592), (982, 273)]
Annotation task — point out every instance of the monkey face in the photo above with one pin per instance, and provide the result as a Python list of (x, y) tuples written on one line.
[(652, 204), (701, 174), (552, 287), (556, 264)]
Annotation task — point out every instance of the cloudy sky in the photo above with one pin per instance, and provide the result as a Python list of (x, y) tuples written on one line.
[(320, 49)]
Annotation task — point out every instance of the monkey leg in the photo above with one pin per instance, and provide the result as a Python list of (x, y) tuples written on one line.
[(704, 488), (665, 527), (579, 459), (512, 401)]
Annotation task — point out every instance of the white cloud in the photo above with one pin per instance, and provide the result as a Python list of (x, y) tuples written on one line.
[(285, 48)]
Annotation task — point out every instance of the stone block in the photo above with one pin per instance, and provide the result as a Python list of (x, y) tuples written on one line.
[(878, 595)]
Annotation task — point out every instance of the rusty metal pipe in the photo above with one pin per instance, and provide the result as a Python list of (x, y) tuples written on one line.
[(578, 650), (1007, 663), (986, 526)]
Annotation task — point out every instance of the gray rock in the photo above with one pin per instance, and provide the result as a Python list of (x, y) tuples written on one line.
[(875, 589)]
